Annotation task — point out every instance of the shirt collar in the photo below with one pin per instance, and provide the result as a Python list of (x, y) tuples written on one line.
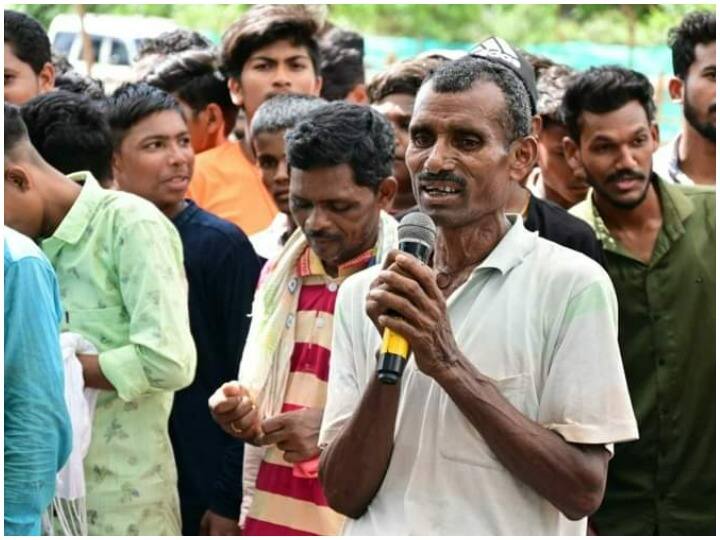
[(676, 174), (186, 214), (676, 208), (75, 222), (512, 248), (310, 264)]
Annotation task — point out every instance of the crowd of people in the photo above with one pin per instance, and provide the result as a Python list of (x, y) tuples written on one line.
[(200, 267)]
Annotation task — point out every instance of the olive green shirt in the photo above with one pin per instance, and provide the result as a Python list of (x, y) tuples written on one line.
[(664, 483), (119, 264)]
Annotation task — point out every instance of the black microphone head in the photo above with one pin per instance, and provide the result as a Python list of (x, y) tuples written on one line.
[(417, 227)]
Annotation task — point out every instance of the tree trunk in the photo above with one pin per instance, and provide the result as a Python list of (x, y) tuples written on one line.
[(87, 48)]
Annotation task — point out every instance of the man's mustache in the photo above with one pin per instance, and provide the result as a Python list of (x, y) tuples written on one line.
[(427, 176), (626, 174)]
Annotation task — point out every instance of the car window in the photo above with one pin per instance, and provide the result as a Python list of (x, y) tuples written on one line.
[(118, 53), (63, 41), (95, 41)]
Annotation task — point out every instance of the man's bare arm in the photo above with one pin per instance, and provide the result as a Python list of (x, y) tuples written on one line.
[(570, 476), (353, 466)]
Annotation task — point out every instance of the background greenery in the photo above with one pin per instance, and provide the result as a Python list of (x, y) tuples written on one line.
[(522, 24)]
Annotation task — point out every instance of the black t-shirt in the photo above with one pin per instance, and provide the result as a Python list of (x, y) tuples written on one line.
[(555, 224), (222, 272)]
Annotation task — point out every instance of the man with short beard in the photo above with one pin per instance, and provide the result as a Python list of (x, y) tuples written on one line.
[(659, 242), (690, 157)]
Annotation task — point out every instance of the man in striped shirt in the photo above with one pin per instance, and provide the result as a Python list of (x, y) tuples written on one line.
[(340, 160)]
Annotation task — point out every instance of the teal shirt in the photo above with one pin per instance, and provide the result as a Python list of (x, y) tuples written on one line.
[(664, 483), (37, 432), (120, 266)]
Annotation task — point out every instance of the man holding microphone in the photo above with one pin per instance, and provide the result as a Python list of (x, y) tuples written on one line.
[(513, 395)]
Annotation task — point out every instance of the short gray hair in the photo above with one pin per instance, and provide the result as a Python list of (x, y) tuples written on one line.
[(283, 112), (460, 75)]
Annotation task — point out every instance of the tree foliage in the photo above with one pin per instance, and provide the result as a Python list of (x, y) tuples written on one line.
[(522, 24)]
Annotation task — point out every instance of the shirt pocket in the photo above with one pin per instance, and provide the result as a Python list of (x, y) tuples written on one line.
[(103, 327), (461, 442)]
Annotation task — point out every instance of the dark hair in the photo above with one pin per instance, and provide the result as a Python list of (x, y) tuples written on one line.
[(70, 132), (283, 112), (173, 41), (74, 82), (603, 90), (15, 130), (193, 76), (28, 39), (342, 69), (131, 103), (339, 133), (461, 74), (696, 27), (403, 77), (264, 24)]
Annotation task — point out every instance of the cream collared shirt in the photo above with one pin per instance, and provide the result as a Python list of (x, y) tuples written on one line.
[(538, 318)]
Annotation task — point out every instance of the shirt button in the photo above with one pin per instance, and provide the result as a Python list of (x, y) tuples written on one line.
[(289, 321), (320, 323), (332, 287)]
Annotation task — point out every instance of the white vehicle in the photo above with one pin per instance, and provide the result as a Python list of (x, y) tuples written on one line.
[(115, 41)]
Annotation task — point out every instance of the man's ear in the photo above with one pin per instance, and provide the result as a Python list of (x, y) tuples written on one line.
[(47, 78), (523, 156), (386, 191), (571, 149), (358, 95), (676, 87), (235, 89), (117, 166), (655, 134), (537, 125), (214, 119), (18, 177), (318, 86)]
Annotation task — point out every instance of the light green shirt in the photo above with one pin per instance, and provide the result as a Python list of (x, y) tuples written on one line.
[(119, 263)]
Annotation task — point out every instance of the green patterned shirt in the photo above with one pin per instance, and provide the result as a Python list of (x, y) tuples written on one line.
[(119, 264), (664, 483)]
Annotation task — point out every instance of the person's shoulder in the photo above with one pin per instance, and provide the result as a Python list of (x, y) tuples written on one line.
[(564, 219), (129, 208), (359, 282), (219, 230), (565, 267), (19, 247), (696, 192)]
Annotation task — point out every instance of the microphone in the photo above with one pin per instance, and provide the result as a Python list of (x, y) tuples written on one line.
[(417, 238)]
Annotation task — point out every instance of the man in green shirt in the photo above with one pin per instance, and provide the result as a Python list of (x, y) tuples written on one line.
[(659, 240), (122, 283)]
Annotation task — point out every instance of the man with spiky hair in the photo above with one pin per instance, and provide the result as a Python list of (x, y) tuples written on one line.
[(270, 50), (690, 157), (659, 242)]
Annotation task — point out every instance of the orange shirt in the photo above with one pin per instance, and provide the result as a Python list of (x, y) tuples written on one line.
[(228, 185)]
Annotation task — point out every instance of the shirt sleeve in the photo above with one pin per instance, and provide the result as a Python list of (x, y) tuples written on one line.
[(38, 432), (160, 354), (585, 397)]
